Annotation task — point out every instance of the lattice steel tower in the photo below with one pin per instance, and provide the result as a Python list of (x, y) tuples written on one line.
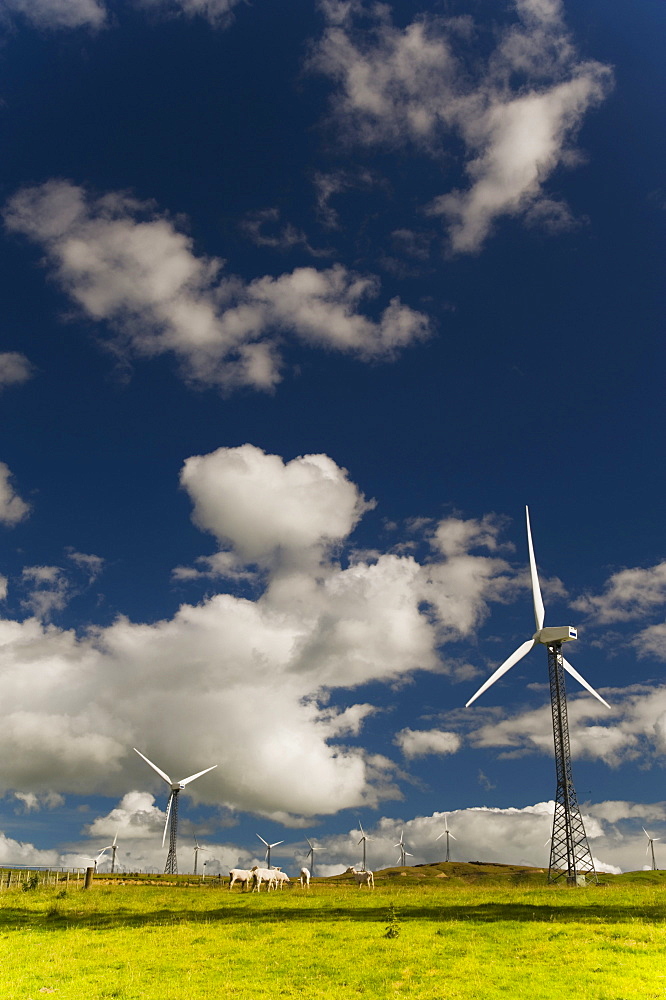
[(570, 855)]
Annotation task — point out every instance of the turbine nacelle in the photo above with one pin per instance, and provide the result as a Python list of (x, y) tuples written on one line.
[(547, 636)]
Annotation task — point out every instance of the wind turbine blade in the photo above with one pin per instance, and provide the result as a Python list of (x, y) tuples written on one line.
[(278, 842), (262, 840), (441, 835), (154, 766), (539, 611), (115, 840), (581, 680), (645, 832), (186, 781), (452, 837), (166, 821), (310, 844), (513, 659)]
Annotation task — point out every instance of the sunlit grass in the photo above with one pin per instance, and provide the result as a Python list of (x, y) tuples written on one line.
[(448, 941)]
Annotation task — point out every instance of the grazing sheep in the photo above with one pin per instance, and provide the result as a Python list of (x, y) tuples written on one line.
[(280, 878), (239, 875), (267, 875), (362, 878), (304, 878)]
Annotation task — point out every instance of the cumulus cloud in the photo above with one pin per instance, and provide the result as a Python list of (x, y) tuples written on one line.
[(422, 742), (517, 115), (514, 836), (627, 595), (48, 590), (35, 803), (125, 264), (244, 684), (62, 14), (635, 730), (12, 508), (59, 13), (14, 369)]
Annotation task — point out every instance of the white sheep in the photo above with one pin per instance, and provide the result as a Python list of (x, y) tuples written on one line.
[(267, 875), (239, 875), (280, 878), (362, 878), (304, 878)]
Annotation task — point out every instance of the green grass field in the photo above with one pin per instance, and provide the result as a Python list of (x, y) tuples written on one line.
[(479, 933)]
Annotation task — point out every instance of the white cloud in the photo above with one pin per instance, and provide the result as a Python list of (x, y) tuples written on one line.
[(652, 641), (12, 508), (127, 265), (413, 84), (62, 14), (48, 590), (90, 564), (628, 594), (420, 742), (635, 729), (35, 803), (14, 369), (216, 12), (59, 13), (244, 684)]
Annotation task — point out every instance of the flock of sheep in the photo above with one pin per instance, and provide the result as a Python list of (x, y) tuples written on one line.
[(275, 878)]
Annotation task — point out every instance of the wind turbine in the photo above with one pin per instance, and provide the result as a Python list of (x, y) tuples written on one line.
[(171, 867), (651, 841), (570, 853), (448, 834), (268, 849), (113, 847), (403, 853), (197, 848), (311, 854), (364, 838), (96, 860)]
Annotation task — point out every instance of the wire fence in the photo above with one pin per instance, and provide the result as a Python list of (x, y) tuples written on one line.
[(31, 876)]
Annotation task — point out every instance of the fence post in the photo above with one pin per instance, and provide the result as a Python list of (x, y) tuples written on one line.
[(89, 878)]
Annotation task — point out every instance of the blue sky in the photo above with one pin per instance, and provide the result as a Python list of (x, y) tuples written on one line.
[(301, 309)]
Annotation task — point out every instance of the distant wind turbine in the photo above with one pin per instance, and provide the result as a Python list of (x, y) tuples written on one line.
[(403, 853), (364, 838), (269, 847), (570, 853), (96, 860), (113, 847), (311, 854), (448, 834), (651, 842), (198, 848), (171, 867)]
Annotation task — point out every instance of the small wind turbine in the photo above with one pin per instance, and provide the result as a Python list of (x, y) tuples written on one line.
[(268, 849), (650, 845), (448, 834), (198, 848), (96, 860), (403, 853), (311, 854), (171, 867), (364, 838), (113, 847), (570, 853)]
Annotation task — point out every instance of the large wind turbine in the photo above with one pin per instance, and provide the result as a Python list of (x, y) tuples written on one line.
[(651, 841), (569, 853), (311, 854), (171, 867), (268, 849), (364, 838), (403, 853), (448, 834)]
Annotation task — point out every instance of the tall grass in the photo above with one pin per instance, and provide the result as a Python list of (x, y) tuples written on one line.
[(451, 943)]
